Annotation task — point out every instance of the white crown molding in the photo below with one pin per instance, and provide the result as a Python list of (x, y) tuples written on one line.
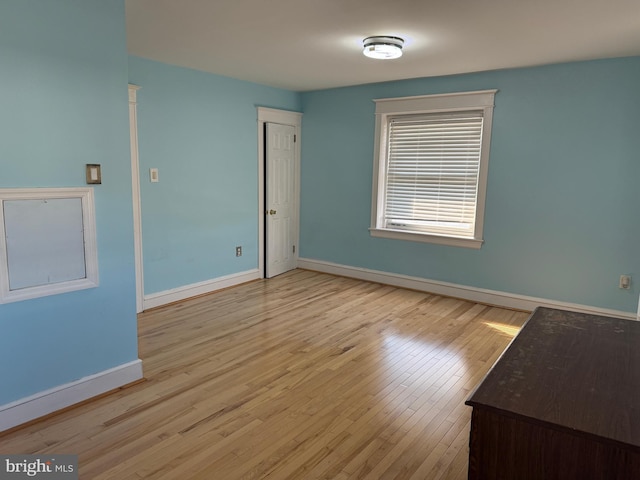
[(480, 295), (49, 401)]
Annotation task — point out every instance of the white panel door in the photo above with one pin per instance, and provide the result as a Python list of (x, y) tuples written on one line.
[(280, 198)]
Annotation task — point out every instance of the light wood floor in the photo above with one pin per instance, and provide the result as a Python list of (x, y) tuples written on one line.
[(303, 376)]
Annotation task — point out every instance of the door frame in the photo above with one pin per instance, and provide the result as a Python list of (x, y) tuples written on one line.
[(135, 187), (284, 117)]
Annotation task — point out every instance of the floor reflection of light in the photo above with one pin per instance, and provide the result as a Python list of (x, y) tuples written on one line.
[(422, 362), (411, 347), (503, 328)]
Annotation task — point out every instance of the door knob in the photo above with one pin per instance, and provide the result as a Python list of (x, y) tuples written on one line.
[(272, 212)]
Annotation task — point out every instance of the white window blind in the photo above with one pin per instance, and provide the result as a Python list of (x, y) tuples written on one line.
[(433, 164)]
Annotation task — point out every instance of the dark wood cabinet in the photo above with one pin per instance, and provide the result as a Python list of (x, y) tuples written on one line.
[(561, 403)]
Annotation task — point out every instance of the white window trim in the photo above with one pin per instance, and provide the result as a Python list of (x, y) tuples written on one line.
[(90, 243), (448, 102)]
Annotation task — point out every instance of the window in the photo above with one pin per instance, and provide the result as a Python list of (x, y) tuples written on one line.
[(430, 167), (47, 242)]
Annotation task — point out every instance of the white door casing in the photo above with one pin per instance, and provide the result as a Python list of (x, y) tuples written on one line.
[(280, 201), (137, 211), (282, 117)]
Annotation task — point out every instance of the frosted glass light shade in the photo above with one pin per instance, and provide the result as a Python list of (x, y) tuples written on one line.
[(384, 48)]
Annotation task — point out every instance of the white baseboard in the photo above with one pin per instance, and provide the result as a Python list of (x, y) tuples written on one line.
[(46, 402), (181, 293), (480, 295)]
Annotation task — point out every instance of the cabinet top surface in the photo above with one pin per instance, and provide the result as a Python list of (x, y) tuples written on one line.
[(576, 371)]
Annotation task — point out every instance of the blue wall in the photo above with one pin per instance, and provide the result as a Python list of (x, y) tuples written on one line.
[(200, 131), (561, 218), (63, 103)]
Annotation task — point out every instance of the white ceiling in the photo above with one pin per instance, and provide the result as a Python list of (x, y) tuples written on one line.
[(305, 45)]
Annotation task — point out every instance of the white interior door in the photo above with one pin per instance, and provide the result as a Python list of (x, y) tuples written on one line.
[(280, 198)]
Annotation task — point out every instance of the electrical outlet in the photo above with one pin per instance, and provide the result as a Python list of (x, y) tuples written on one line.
[(625, 282), (238, 251)]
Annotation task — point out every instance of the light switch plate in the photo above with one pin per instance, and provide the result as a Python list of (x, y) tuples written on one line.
[(153, 175), (94, 175)]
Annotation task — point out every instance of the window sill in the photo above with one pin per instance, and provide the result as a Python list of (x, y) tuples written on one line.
[(425, 238)]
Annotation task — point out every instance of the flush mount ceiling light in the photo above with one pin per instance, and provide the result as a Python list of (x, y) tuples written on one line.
[(383, 47)]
